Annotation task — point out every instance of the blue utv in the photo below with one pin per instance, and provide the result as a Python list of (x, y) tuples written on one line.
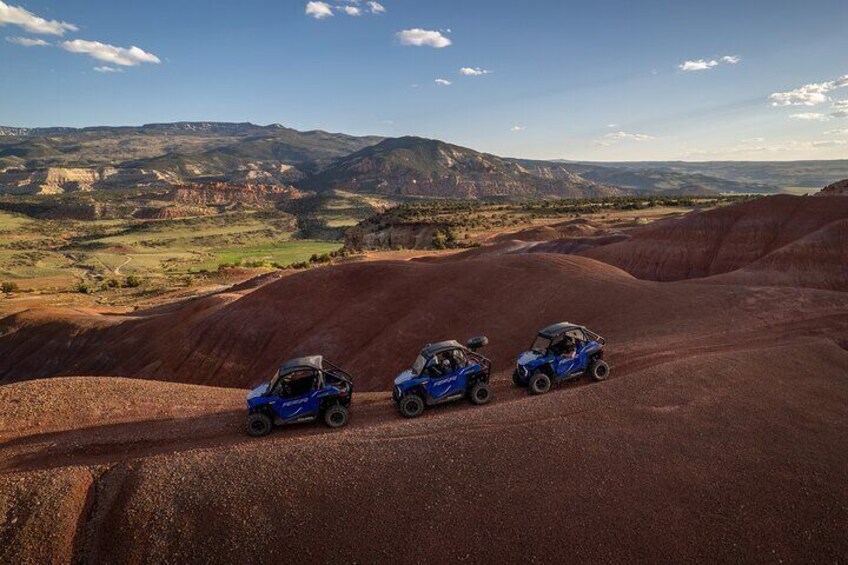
[(302, 390), (443, 372), (559, 353)]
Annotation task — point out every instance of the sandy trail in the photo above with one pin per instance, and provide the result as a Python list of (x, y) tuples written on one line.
[(711, 453)]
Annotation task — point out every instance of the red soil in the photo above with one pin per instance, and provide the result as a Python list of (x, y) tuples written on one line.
[(726, 239), (373, 317), (725, 455), (719, 438)]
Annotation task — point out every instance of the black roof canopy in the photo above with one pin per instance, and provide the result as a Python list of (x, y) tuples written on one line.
[(557, 329), (442, 346), (312, 362)]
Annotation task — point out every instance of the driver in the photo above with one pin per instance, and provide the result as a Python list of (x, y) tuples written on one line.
[(441, 365), (565, 348)]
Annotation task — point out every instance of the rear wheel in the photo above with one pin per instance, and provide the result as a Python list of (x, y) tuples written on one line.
[(599, 370), (411, 405), (540, 383), (335, 416), (480, 394), (259, 425)]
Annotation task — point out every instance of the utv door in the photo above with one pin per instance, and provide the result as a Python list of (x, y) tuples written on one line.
[(563, 366), (442, 386), (299, 397)]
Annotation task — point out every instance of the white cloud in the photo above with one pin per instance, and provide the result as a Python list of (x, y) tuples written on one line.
[(27, 41), (810, 116), (376, 8), (474, 71), (809, 94), (838, 131), (840, 109), (351, 10), (16, 15), (707, 64), (423, 38), (109, 53), (829, 143), (443, 82), (699, 65), (621, 136), (318, 10), (106, 69), (517, 128)]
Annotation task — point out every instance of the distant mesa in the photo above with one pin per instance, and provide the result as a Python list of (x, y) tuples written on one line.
[(415, 166), (55, 160)]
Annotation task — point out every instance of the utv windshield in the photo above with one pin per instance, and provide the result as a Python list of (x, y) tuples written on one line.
[(418, 366), (541, 344)]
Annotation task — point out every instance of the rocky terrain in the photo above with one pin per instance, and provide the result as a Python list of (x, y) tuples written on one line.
[(163, 154), (426, 167), (59, 180), (55, 160), (809, 174)]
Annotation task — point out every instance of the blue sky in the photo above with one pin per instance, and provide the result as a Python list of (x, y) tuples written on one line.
[(616, 80)]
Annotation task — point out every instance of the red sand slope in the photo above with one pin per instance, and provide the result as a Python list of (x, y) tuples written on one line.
[(733, 237), (373, 317), (735, 455)]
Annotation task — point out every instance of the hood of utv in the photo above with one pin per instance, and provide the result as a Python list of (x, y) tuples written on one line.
[(404, 377), (257, 393), (531, 358)]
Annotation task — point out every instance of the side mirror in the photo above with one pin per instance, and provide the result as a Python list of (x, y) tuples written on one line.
[(476, 343)]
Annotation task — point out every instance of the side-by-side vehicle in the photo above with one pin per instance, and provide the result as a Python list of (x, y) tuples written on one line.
[(443, 372), (559, 353), (302, 390)]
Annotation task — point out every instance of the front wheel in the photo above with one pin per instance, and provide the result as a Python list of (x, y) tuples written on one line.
[(411, 406), (516, 380), (335, 416), (259, 425), (599, 370), (480, 394), (540, 383)]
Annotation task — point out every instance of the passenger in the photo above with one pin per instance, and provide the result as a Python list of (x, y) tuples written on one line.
[(565, 348)]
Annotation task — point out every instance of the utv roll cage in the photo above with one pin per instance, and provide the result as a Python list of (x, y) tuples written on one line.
[(316, 363), (557, 330), (470, 350)]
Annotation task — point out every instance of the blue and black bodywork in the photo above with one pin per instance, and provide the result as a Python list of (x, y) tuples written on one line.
[(302, 390), (561, 352), (443, 372)]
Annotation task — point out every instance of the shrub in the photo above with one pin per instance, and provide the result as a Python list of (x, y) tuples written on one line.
[(132, 281), (83, 288), (9, 287)]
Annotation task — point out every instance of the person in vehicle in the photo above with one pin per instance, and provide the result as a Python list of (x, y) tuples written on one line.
[(564, 348)]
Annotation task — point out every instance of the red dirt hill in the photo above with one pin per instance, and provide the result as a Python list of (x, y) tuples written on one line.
[(725, 239), (839, 188), (710, 456), (373, 317)]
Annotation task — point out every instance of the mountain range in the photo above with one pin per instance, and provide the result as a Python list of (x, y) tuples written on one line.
[(57, 160)]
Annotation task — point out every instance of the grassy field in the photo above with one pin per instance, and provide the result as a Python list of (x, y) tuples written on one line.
[(280, 252), (61, 255)]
